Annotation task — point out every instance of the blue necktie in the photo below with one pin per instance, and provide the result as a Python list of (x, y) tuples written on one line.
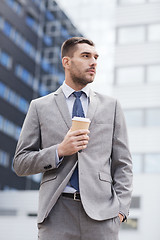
[(78, 112)]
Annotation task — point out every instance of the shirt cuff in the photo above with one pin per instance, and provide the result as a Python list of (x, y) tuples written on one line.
[(58, 160)]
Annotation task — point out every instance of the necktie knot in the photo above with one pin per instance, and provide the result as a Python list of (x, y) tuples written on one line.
[(77, 94)]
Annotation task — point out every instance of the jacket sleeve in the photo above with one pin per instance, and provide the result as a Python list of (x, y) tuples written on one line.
[(29, 157), (121, 166)]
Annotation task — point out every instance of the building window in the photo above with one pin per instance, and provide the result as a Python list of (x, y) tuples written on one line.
[(36, 177), (142, 117), (154, 32), (7, 29), (50, 16), (33, 24), (47, 40), (153, 74), (137, 163), (24, 75), (131, 224), (9, 128), (130, 2), (18, 39), (130, 75), (51, 82), (153, 1), (4, 158), (53, 28), (15, 5), (153, 117), (131, 35), (13, 98), (135, 202), (5, 60), (52, 54), (152, 163), (40, 4), (134, 118)]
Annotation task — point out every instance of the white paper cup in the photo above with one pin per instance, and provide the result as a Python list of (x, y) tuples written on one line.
[(80, 123)]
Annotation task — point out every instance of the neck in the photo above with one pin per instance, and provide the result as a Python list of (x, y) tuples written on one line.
[(76, 87)]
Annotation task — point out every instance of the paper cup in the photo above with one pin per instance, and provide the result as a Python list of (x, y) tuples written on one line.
[(80, 123)]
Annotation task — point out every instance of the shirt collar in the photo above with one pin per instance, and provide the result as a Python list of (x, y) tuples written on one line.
[(67, 90)]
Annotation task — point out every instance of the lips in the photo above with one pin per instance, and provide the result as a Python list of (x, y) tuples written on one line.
[(91, 70)]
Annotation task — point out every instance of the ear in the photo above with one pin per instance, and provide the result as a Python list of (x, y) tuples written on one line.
[(66, 62)]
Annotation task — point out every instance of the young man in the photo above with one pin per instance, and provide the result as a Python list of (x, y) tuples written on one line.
[(85, 191)]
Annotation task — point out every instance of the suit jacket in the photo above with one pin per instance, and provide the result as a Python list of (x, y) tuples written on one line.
[(105, 168)]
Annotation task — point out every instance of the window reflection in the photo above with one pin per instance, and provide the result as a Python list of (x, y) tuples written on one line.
[(154, 32), (131, 224), (129, 2), (130, 75), (153, 74), (142, 117), (137, 163), (134, 118), (130, 35), (152, 163), (153, 117)]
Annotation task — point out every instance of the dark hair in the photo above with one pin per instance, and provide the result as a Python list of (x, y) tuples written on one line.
[(68, 47)]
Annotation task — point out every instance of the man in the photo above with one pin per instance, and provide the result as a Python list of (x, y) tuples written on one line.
[(97, 160)]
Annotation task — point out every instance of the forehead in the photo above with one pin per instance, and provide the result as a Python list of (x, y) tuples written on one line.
[(84, 47)]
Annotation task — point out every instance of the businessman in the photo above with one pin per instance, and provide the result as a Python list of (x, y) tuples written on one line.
[(85, 192)]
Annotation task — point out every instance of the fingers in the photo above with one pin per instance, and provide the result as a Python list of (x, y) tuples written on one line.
[(73, 142), (78, 132)]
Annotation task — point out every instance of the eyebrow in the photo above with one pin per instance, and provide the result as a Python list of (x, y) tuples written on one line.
[(96, 54)]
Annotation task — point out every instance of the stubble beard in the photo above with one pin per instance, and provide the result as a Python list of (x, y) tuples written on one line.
[(80, 79)]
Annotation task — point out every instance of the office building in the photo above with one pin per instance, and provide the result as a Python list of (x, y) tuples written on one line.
[(31, 34), (137, 86)]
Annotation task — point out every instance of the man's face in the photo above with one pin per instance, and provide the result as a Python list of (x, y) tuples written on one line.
[(83, 64)]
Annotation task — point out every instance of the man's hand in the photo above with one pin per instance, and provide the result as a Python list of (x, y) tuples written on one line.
[(121, 217), (73, 142)]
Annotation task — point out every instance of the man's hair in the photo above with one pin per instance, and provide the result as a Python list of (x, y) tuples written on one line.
[(69, 46)]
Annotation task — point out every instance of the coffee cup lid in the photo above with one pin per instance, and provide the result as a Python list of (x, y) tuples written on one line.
[(81, 119)]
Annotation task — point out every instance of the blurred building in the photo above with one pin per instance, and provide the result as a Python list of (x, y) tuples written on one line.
[(31, 34), (96, 21), (137, 86)]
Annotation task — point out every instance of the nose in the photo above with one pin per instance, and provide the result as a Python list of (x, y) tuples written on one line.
[(93, 62)]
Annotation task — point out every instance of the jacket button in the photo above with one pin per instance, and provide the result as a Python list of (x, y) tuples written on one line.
[(48, 166)]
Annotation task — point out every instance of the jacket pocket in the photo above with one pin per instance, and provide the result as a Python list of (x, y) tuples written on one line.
[(105, 177), (48, 176)]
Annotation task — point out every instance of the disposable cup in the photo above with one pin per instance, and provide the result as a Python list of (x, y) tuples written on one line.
[(80, 123)]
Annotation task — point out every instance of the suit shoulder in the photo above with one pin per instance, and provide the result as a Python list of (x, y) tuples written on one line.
[(44, 100), (104, 98)]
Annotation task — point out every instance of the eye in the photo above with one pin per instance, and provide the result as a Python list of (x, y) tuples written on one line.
[(85, 56)]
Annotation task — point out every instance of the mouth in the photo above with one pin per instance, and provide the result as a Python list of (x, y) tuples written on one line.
[(91, 70)]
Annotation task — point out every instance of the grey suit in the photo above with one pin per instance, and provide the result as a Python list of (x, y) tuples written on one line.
[(105, 169)]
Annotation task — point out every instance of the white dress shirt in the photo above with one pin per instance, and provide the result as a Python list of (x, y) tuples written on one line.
[(70, 98)]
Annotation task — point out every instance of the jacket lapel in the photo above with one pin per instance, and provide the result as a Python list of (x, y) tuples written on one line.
[(62, 106), (92, 105)]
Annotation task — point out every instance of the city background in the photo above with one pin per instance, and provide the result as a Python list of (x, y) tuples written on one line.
[(127, 38)]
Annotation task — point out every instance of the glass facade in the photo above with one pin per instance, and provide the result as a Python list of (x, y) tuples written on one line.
[(13, 98), (143, 117), (138, 34), (9, 128), (4, 158), (130, 75), (30, 66), (5, 59), (146, 163), (131, 35), (15, 5)]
